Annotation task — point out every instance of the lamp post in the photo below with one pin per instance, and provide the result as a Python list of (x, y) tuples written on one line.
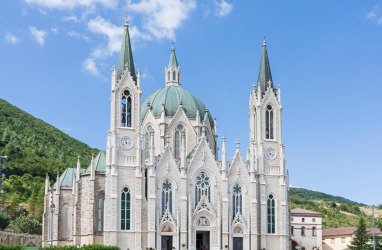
[(52, 206)]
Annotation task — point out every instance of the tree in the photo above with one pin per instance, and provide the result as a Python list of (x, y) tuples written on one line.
[(24, 224), (5, 219), (361, 238)]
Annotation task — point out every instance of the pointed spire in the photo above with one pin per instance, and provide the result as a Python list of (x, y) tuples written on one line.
[(126, 56), (265, 75), (92, 168), (78, 171), (47, 183), (172, 71), (224, 155), (173, 61)]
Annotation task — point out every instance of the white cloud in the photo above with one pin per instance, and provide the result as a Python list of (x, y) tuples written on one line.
[(54, 30), (160, 18), (70, 4), (90, 66), (113, 33), (72, 19), (375, 14), (223, 8), (38, 35), (77, 35), (10, 38)]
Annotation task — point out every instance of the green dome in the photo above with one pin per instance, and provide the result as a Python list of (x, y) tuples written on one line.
[(171, 96)]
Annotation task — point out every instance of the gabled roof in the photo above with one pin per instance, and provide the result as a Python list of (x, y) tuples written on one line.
[(99, 161), (341, 231), (66, 178), (304, 212), (126, 56)]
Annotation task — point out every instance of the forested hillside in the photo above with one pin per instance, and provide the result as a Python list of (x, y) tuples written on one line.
[(336, 211), (34, 148)]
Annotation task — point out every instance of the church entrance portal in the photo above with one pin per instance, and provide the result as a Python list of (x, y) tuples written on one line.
[(202, 240), (237, 243), (166, 242)]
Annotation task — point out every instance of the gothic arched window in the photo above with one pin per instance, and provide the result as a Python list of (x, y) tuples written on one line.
[(178, 140), (302, 231), (126, 109), (166, 196), (292, 230), (65, 222), (269, 129), (100, 212), (237, 200), (125, 209), (202, 187), (271, 214), (173, 75), (147, 142)]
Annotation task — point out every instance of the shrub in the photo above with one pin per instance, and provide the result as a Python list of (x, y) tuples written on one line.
[(11, 247), (5, 219), (23, 224)]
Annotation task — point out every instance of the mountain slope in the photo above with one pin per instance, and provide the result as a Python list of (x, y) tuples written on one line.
[(34, 148), (336, 211)]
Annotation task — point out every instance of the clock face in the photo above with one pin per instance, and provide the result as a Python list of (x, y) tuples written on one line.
[(270, 153), (126, 142)]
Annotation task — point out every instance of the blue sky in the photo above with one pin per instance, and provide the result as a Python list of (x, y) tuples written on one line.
[(326, 55)]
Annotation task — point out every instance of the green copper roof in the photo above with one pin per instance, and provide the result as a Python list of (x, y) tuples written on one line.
[(66, 178), (99, 161), (126, 56), (265, 70), (173, 61), (171, 97)]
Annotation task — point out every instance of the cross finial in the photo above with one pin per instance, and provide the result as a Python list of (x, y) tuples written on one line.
[(173, 45), (264, 41), (126, 23)]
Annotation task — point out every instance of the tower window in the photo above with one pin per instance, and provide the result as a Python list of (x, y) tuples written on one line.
[(178, 140), (302, 231), (237, 201), (166, 197), (271, 214), (173, 75), (292, 230), (269, 129), (168, 76), (147, 143), (314, 231), (202, 188), (126, 109), (125, 209), (100, 209)]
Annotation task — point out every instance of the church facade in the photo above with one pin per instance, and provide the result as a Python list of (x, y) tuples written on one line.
[(160, 184)]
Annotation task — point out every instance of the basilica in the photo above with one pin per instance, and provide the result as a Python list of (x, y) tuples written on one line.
[(160, 184)]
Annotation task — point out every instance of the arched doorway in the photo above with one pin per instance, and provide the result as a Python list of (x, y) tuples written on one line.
[(167, 237), (295, 245)]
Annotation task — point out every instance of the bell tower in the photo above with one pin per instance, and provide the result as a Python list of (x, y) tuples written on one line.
[(123, 155), (267, 161), (123, 143)]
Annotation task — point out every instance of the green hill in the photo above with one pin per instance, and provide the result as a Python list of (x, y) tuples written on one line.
[(336, 211), (34, 148)]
